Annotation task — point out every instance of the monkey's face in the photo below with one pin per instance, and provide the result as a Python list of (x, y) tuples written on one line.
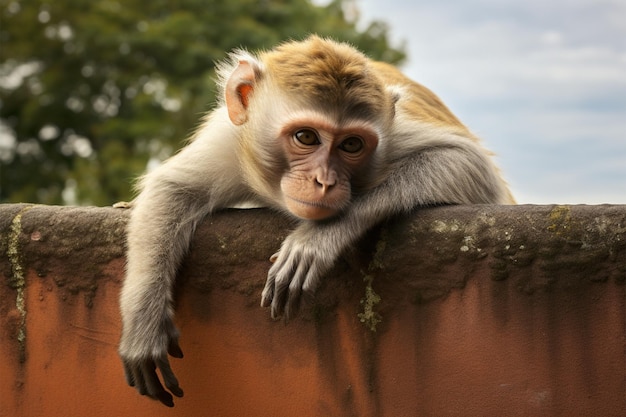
[(323, 158)]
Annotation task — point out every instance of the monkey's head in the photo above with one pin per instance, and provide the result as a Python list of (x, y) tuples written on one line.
[(313, 116)]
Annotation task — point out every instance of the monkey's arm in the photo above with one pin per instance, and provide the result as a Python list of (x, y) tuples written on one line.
[(159, 231), (456, 172), (174, 198)]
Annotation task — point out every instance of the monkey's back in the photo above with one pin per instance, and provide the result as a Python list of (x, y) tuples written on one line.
[(418, 102)]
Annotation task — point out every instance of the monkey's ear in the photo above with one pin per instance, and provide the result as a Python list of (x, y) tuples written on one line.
[(395, 91), (239, 88)]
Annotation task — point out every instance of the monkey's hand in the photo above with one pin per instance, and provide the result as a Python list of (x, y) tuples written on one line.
[(305, 256), (142, 355)]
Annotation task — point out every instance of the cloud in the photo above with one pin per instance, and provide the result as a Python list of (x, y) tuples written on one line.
[(543, 82)]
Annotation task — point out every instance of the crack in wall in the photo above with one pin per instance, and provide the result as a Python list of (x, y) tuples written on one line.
[(18, 279)]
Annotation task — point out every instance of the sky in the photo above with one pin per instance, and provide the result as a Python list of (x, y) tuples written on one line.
[(542, 82)]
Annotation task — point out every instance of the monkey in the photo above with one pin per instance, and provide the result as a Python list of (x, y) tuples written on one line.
[(313, 129)]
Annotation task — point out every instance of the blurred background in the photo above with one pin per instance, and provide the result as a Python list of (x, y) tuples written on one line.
[(94, 92)]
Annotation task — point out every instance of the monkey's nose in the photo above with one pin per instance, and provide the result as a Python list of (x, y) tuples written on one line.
[(325, 183)]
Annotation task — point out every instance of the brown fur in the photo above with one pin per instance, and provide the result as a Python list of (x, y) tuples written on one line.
[(418, 102), (333, 75)]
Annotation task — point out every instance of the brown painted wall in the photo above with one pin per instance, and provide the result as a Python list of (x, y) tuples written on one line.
[(484, 311)]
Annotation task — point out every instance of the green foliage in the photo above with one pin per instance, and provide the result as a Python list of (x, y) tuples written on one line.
[(92, 90)]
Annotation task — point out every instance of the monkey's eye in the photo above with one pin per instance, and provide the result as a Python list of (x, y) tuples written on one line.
[(307, 137), (353, 144)]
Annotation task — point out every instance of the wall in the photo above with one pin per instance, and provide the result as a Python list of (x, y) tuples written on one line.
[(452, 311)]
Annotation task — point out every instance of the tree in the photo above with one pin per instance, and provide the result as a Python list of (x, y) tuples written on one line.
[(93, 91)]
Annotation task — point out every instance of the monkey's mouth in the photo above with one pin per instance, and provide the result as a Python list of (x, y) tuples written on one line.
[(310, 210), (311, 203)]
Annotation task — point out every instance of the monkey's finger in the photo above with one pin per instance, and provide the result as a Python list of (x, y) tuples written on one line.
[(128, 374), (153, 385), (274, 257), (292, 305), (169, 378), (292, 301), (139, 375), (138, 378), (268, 291), (165, 398), (174, 349), (278, 302), (278, 279)]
